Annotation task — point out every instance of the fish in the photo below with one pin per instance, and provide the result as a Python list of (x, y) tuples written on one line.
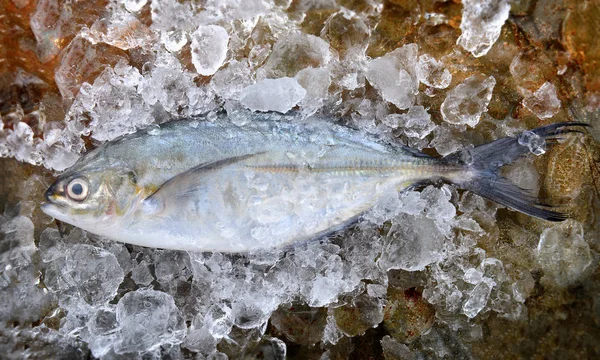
[(198, 185)]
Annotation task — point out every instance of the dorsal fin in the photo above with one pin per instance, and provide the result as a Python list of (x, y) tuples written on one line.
[(185, 184)]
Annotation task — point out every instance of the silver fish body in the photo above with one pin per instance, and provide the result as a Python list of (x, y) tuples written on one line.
[(204, 186)]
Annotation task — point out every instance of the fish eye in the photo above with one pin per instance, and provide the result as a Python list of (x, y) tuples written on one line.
[(78, 189)]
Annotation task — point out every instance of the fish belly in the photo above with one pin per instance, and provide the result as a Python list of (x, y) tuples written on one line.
[(241, 208)]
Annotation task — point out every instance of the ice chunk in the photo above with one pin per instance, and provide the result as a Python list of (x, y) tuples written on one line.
[(135, 5), (229, 81), (23, 300), (544, 103), (273, 95), (395, 75), (316, 82), (82, 62), (227, 10), (174, 89), (331, 334), (535, 143), (393, 349), (349, 81), (363, 313), (120, 29), (493, 269), (416, 122), (21, 144), (84, 272), (174, 40), (109, 103), (295, 52), (218, 320), (563, 253), (473, 276), (170, 265), (467, 101), (445, 141), (326, 288), (141, 274), (432, 72), (416, 238), (173, 15), (17, 241), (103, 329), (376, 290), (209, 48), (478, 298), (523, 287), (310, 321), (481, 23), (147, 320)]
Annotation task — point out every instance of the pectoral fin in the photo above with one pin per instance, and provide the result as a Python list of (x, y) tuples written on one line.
[(185, 184)]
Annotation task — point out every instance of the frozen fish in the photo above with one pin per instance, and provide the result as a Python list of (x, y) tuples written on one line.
[(214, 186)]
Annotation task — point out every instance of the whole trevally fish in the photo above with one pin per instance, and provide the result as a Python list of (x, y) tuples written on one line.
[(215, 186)]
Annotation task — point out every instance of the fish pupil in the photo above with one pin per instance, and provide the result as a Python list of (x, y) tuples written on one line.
[(77, 189)]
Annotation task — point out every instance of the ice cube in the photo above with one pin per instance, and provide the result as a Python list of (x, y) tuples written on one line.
[(273, 95), (477, 299), (563, 253), (331, 334), (209, 48), (109, 103), (174, 40), (473, 276), (467, 101), (120, 29), (84, 272), (135, 5), (544, 102), (481, 23), (395, 75), (227, 10), (141, 274), (363, 313), (393, 349), (416, 238), (295, 52), (173, 89), (535, 143), (416, 123), (316, 82), (147, 319), (23, 300), (432, 72), (21, 144)]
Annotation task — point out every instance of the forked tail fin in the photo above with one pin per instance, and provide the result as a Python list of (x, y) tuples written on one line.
[(485, 161)]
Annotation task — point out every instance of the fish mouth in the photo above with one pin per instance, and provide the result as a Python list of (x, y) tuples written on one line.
[(52, 210)]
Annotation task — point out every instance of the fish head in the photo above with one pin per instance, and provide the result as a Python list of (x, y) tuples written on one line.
[(93, 199)]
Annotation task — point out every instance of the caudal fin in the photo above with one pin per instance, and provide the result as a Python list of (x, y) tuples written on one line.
[(485, 161)]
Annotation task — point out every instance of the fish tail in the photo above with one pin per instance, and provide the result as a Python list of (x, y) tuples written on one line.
[(483, 165)]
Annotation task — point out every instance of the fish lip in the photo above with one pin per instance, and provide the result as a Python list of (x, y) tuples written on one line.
[(53, 210)]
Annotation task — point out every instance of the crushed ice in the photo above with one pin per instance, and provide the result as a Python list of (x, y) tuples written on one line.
[(125, 300)]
